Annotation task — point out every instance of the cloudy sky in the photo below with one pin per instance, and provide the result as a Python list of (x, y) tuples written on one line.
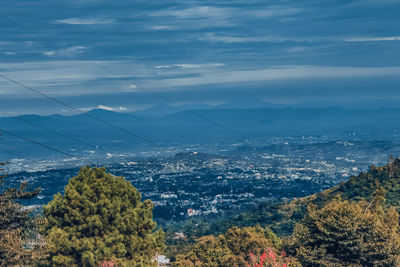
[(131, 54)]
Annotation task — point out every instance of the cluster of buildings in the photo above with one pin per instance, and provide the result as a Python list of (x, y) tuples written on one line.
[(196, 183)]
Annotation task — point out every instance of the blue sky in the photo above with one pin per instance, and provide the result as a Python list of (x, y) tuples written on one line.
[(129, 55)]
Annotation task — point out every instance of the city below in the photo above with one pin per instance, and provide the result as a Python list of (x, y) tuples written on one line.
[(228, 181)]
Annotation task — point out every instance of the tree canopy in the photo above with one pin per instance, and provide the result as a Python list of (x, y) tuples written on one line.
[(345, 233), (232, 248), (100, 217)]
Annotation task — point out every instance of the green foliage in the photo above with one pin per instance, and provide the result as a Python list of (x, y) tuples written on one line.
[(101, 216), (347, 233), (365, 184), (282, 217), (230, 249)]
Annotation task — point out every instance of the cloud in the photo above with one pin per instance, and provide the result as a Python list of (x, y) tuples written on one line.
[(116, 109), (282, 74), (273, 11), (162, 27), (372, 39), (85, 21), (49, 53), (70, 51), (191, 66), (212, 37), (112, 108), (52, 76), (196, 17), (129, 88), (196, 12)]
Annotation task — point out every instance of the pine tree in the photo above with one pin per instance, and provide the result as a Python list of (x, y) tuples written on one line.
[(100, 217)]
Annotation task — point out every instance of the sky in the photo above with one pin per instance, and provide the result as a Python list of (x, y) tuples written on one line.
[(129, 55)]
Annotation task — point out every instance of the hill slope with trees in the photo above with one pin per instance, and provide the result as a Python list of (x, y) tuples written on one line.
[(352, 224)]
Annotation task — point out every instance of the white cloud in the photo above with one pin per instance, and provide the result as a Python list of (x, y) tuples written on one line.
[(51, 76), (70, 51), (229, 39), (215, 12), (129, 88), (274, 11), (196, 12), (162, 27), (196, 17), (211, 37), (85, 21), (116, 109), (49, 53), (164, 67), (277, 74), (112, 108), (198, 66), (191, 66), (373, 39)]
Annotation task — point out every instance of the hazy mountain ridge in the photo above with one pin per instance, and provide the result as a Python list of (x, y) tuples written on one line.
[(198, 126), (334, 115)]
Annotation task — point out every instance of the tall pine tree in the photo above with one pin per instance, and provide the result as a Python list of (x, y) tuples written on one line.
[(101, 217)]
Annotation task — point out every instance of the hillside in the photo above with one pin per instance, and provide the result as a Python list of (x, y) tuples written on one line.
[(281, 218)]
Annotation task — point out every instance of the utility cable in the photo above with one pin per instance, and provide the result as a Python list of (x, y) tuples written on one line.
[(46, 146), (79, 111), (50, 130), (165, 99)]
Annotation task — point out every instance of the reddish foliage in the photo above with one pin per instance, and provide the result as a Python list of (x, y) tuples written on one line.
[(107, 264), (269, 258)]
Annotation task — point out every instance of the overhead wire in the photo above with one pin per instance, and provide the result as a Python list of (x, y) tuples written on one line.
[(50, 130), (19, 155), (190, 140), (163, 98), (46, 146), (79, 111)]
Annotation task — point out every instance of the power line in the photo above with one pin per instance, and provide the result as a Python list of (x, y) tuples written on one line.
[(46, 146), (147, 122), (79, 111), (127, 114), (50, 130), (19, 155), (165, 99)]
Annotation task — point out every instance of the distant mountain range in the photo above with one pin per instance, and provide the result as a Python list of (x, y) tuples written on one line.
[(251, 103), (202, 125)]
